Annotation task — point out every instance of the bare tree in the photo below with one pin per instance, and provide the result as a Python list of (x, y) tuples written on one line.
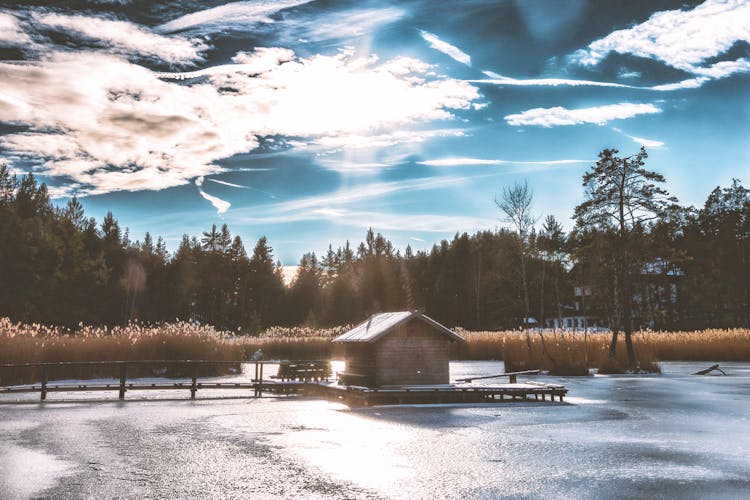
[(516, 203)]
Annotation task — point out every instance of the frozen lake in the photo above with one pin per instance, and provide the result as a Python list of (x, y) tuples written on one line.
[(667, 436)]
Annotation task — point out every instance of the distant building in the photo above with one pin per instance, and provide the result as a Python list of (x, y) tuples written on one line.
[(655, 297), (397, 348)]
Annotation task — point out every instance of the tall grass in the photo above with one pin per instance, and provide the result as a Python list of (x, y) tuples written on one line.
[(36, 343), (574, 353), (566, 353)]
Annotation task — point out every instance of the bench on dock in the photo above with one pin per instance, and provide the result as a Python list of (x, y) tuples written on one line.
[(349, 378), (303, 371)]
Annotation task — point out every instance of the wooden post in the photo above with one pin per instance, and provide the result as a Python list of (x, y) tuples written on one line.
[(193, 386), (123, 377), (513, 378), (260, 382), (256, 380), (44, 382)]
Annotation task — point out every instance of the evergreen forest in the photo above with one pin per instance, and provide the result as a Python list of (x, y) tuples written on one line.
[(681, 268)]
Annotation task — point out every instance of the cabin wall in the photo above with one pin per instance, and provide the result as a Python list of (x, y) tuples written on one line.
[(413, 354), (360, 360)]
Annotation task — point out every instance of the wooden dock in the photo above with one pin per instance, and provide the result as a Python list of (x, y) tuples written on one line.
[(292, 383), (449, 394), (305, 378)]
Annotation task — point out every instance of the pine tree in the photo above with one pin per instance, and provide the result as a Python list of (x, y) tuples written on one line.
[(621, 197)]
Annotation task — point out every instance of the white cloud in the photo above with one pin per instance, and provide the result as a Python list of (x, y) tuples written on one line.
[(626, 73), (683, 39), (230, 184), (125, 37), (221, 205), (11, 32), (551, 117), (385, 139), (342, 95), (261, 60), (339, 25), (690, 83), (336, 203), (457, 162), (723, 69), (649, 143), (380, 221), (107, 124), (715, 71), (496, 79), (232, 15), (442, 46)]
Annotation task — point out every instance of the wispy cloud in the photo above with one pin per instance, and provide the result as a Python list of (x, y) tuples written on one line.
[(649, 143), (108, 124), (346, 24), (357, 194), (125, 37), (496, 79), (457, 162), (385, 139), (552, 117), (442, 46), (238, 15), (221, 205), (231, 184), (719, 70), (378, 220), (263, 59), (11, 32), (683, 39)]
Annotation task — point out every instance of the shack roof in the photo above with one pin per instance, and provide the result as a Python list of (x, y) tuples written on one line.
[(381, 324)]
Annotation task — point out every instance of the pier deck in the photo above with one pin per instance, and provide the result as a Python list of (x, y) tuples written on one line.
[(501, 393), (315, 387)]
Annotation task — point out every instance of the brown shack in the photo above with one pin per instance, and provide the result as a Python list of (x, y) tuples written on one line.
[(397, 348)]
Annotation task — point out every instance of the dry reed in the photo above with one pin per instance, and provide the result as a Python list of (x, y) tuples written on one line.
[(566, 353)]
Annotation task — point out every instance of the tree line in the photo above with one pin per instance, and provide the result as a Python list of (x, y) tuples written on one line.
[(635, 258)]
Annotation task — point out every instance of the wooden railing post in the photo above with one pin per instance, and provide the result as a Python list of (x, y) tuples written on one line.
[(123, 377), (44, 382), (193, 386)]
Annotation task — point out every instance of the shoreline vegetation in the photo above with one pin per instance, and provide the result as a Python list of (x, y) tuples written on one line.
[(559, 353)]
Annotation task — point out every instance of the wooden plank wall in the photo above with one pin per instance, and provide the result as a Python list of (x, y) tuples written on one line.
[(415, 353), (360, 360)]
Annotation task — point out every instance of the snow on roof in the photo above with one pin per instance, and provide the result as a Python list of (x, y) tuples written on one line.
[(380, 324)]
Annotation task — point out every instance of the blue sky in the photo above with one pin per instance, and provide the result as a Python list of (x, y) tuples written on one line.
[(310, 121)]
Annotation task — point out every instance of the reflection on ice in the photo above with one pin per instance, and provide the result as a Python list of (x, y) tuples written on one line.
[(674, 435)]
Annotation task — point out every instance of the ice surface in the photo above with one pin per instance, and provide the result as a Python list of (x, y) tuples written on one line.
[(664, 436)]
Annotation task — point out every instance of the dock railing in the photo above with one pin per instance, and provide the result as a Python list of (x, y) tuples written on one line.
[(192, 369), (512, 376)]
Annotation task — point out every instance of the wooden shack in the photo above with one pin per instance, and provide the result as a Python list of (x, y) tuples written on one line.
[(397, 348)]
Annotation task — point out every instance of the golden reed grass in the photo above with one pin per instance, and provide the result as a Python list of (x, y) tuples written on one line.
[(566, 353), (36, 343), (575, 352)]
